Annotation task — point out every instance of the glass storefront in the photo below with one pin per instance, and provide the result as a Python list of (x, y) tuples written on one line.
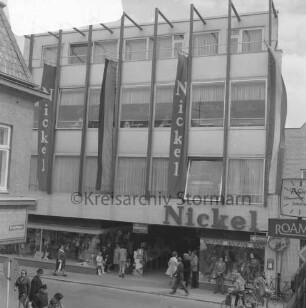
[(245, 257)]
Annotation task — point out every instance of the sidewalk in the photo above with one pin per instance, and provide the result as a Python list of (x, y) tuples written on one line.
[(152, 283)]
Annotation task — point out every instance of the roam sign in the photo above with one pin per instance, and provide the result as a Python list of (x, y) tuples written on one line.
[(291, 228)]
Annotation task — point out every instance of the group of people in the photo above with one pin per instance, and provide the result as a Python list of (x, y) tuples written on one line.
[(33, 294), (183, 272), (119, 260)]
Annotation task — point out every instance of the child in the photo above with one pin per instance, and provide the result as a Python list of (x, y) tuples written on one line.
[(100, 264)]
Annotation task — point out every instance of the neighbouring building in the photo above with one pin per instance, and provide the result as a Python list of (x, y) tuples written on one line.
[(231, 120), (18, 93)]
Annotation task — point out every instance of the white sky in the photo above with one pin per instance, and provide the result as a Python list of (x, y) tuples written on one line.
[(56, 14)]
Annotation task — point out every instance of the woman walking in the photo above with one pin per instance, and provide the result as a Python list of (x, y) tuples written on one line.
[(172, 267)]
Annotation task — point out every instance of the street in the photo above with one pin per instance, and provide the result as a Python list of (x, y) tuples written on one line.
[(86, 296)]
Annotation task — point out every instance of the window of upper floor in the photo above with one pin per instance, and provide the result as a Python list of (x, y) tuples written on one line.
[(78, 53), (49, 55), (142, 48), (71, 108), (205, 44), (163, 105), (104, 49), (303, 174), (248, 103), (5, 141), (247, 40), (135, 107), (207, 104)]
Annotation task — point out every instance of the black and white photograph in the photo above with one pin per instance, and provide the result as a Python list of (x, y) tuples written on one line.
[(152, 154)]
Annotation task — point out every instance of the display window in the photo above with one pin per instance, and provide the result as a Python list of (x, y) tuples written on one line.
[(247, 258)]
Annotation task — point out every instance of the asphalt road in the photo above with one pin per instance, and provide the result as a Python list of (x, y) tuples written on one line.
[(86, 296)]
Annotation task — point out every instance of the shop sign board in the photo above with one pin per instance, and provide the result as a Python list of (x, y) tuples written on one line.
[(140, 228), (13, 225), (258, 239), (290, 228)]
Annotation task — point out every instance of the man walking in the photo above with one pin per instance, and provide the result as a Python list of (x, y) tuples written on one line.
[(36, 283), (23, 285), (220, 273), (179, 278)]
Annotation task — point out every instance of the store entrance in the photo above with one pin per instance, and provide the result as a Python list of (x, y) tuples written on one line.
[(161, 241)]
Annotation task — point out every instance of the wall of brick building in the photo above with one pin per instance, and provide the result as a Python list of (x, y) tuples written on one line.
[(295, 153), (17, 112)]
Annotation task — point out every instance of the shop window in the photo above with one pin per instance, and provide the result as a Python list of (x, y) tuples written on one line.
[(159, 183), (104, 49), (207, 104), (246, 40), (248, 103), (36, 114), (78, 53), (239, 256), (71, 108), (49, 55), (130, 176), (66, 174), (163, 106), (205, 44), (94, 106), (204, 179), (5, 136), (136, 49), (33, 180), (245, 180), (135, 103)]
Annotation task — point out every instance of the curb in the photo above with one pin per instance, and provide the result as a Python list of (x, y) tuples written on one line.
[(131, 290)]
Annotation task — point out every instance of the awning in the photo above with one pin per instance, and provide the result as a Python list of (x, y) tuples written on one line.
[(76, 229)]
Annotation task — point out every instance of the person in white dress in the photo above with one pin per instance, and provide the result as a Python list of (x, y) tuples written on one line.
[(172, 266)]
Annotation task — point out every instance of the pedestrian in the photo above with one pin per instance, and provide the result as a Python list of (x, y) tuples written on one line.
[(36, 283), (172, 267), (55, 301), (187, 269), (194, 270), (122, 260), (41, 298), (23, 285), (116, 257), (60, 261), (261, 287), (100, 264), (220, 273), (179, 278)]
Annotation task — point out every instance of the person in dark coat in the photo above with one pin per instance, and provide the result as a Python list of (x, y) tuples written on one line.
[(36, 283), (187, 269), (23, 285), (60, 261), (41, 298), (179, 278)]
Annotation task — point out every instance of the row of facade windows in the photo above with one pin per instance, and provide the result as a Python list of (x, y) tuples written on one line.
[(245, 177), (247, 105), (137, 49)]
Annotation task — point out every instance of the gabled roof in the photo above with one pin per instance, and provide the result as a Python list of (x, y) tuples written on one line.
[(12, 64)]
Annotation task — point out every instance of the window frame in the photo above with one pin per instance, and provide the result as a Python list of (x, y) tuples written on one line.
[(104, 41), (59, 104), (207, 32), (230, 104), (42, 61), (191, 100), (70, 56), (92, 88), (120, 109), (263, 176), (214, 159), (240, 39), (7, 149)]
